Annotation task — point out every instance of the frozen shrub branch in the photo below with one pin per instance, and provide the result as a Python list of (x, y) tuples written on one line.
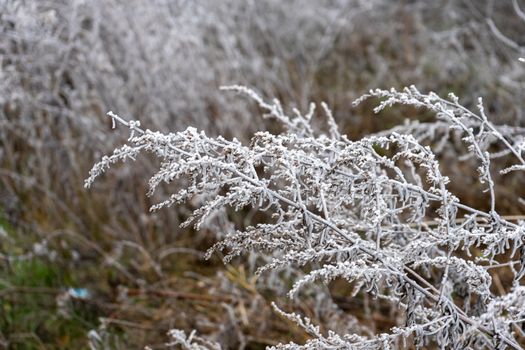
[(359, 211)]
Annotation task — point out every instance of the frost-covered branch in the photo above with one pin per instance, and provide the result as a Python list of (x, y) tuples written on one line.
[(356, 210)]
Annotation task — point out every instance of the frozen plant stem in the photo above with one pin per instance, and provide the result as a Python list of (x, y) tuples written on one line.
[(332, 198)]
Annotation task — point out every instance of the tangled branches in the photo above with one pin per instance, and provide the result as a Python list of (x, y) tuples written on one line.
[(375, 212)]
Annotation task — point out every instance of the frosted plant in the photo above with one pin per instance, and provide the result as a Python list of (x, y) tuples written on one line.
[(189, 342), (63, 62), (477, 132), (375, 212)]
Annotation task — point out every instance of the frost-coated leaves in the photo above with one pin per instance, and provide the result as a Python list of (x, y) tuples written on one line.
[(375, 212)]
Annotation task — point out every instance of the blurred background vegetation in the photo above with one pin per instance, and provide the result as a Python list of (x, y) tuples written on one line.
[(95, 268)]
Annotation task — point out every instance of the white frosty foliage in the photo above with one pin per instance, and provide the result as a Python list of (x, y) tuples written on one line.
[(189, 342), (376, 212)]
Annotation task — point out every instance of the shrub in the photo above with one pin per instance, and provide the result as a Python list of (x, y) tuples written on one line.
[(375, 212)]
